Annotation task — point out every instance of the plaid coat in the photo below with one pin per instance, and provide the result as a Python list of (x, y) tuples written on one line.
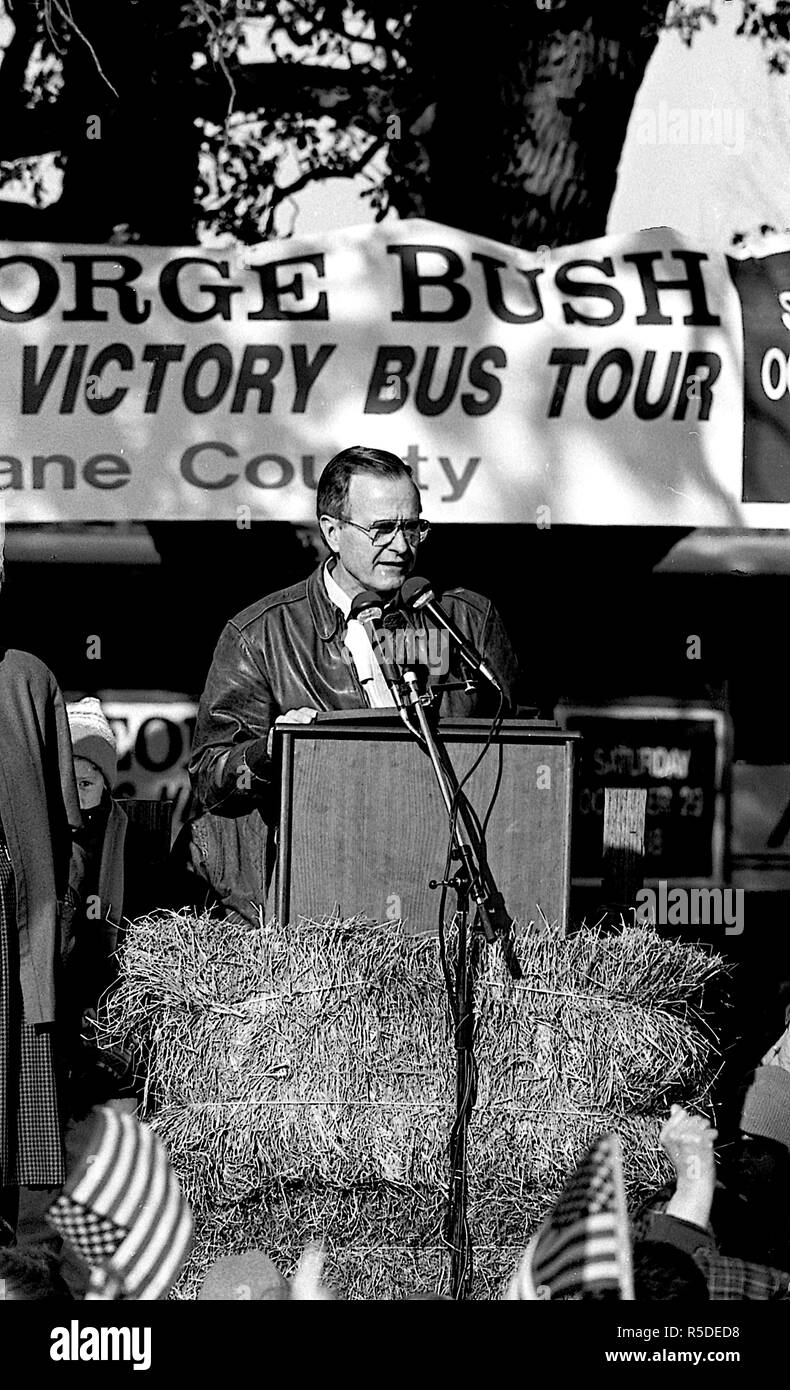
[(728, 1279), (40, 816)]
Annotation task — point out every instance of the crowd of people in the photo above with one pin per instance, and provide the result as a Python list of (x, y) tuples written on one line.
[(68, 881), (718, 1231)]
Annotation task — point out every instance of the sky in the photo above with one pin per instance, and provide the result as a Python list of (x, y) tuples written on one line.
[(731, 175)]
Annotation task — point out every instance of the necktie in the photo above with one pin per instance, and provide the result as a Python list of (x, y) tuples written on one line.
[(377, 692)]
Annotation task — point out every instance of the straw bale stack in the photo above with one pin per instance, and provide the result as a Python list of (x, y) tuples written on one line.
[(304, 1083)]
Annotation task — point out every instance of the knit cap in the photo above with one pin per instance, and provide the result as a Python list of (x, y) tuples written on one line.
[(92, 737), (766, 1109)]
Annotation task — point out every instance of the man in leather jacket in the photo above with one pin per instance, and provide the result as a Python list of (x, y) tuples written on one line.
[(291, 654)]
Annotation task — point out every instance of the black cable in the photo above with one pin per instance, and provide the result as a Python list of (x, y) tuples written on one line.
[(494, 728), (448, 979), (496, 724), (461, 1242), (495, 793)]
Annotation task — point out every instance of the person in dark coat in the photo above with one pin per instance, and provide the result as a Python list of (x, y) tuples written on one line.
[(41, 871), (119, 883), (95, 767)]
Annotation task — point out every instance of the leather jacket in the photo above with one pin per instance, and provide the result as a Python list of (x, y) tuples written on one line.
[(281, 653)]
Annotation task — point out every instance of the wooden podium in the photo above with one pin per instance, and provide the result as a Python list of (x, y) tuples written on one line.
[(363, 827)]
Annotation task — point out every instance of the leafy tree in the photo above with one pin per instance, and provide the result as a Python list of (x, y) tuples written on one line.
[(158, 119)]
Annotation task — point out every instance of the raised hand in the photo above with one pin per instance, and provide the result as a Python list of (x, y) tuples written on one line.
[(689, 1140)]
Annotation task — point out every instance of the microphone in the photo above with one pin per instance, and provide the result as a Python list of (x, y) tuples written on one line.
[(417, 593), (368, 609)]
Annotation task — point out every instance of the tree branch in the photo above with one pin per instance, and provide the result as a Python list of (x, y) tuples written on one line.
[(287, 88), (282, 88), (345, 170), (322, 25), (220, 60), (385, 42), (348, 170), (65, 11)]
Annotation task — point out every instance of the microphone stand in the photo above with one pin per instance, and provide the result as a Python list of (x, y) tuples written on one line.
[(472, 879)]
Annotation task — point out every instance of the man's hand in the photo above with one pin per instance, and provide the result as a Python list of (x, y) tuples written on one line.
[(688, 1140), (303, 715)]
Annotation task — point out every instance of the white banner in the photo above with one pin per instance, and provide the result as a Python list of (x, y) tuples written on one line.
[(602, 383)]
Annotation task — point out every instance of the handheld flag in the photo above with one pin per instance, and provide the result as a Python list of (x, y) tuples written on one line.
[(583, 1246), (123, 1211)]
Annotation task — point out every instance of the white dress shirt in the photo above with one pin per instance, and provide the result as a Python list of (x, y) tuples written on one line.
[(369, 673)]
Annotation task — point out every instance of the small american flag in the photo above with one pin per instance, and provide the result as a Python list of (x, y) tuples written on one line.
[(584, 1245), (123, 1211)]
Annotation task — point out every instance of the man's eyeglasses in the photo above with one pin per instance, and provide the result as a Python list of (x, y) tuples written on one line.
[(383, 532)]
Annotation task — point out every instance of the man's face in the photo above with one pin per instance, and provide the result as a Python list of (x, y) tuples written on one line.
[(361, 564)]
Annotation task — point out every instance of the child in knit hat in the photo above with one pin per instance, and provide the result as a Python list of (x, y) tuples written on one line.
[(95, 764), (95, 751), (92, 968)]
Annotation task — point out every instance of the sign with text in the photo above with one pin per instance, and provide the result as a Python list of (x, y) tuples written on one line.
[(636, 379), (678, 756)]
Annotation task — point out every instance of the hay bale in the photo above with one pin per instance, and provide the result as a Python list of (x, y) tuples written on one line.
[(304, 1082)]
